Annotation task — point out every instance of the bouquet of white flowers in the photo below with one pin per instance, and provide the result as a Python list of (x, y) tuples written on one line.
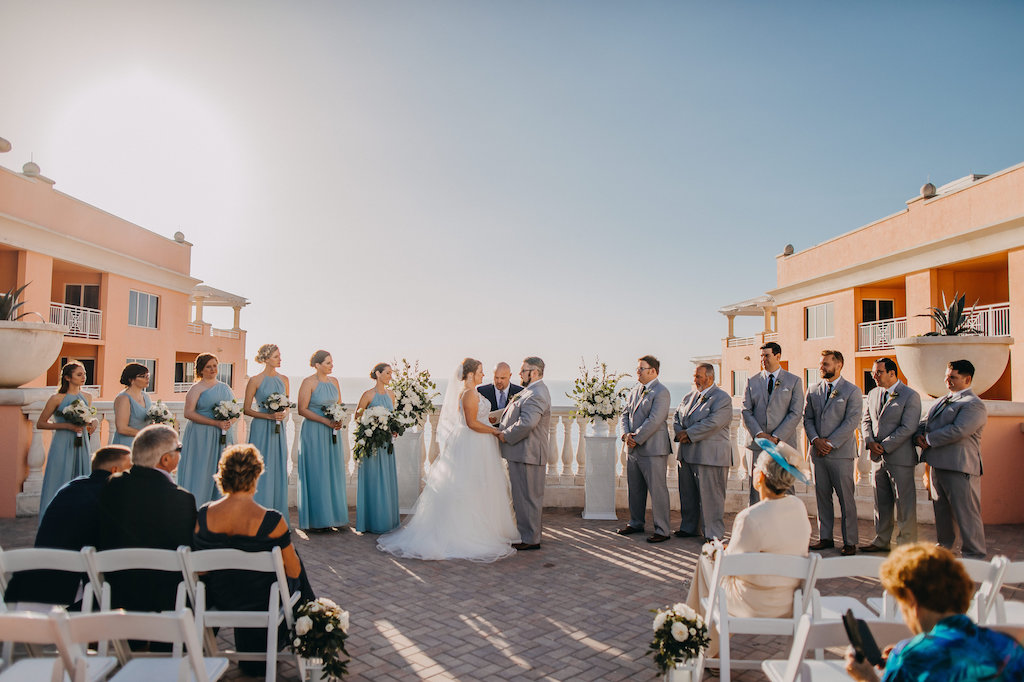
[(321, 628), (224, 411), (335, 412), (414, 396), (79, 413), (680, 634), (158, 413), (373, 430), (710, 550), (597, 395), (277, 402)]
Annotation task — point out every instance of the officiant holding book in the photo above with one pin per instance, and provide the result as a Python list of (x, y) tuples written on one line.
[(500, 392)]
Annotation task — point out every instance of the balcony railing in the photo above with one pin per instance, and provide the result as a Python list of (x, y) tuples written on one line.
[(992, 320), (225, 333), (737, 341), (879, 335), (194, 328), (182, 386), (82, 322)]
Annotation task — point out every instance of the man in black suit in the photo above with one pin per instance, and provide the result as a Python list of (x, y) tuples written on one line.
[(502, 390), (71, 521), (144, 508)]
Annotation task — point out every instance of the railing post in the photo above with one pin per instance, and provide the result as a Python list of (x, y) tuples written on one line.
[(581, 445), (567, 458), (293, 455), (552, 448)]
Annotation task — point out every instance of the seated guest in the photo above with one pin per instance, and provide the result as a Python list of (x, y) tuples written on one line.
[(142, 507), (71, 521), (933, 592), (236, 521)]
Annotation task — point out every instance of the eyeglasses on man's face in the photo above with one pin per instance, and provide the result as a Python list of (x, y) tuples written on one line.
[(643, 369)]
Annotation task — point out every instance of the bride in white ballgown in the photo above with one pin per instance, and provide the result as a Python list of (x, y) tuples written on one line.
[(465, 510)]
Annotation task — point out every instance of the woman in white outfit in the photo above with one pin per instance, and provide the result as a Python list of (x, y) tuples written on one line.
[(465, 510)]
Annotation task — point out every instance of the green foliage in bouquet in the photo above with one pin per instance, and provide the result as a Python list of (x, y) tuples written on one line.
[(321, 628), (414, 396), (596, 394), (680, 634)]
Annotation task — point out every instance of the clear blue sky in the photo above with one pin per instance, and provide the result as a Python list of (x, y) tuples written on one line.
[(437, 179)]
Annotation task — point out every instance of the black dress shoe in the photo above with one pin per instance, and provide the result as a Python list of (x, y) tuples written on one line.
[(657, 538), (524, 546), (848, 550), (629, 530), (685, 534), (823, 544), (872, 548)]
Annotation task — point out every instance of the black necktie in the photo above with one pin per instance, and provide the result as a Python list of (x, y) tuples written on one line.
[(885, 397), (771, 384), (828, 392)]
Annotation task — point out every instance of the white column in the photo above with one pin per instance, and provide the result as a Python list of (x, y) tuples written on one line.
[(599, 490), (567, 458), (409, 465), (552, 448), (581, 444)]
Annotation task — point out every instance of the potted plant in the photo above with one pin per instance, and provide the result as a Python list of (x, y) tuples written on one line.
[(680, 637), (923, 359), (318, 639), (29, 347)]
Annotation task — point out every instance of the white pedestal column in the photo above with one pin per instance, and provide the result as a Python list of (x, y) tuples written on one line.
[(599, 491), (409, 463)]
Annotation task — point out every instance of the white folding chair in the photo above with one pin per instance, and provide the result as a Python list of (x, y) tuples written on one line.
[(37, 628), (987, 574), (280, 602), (177, 628), (833, 606), (814, 635), (1004, 611), (755, 564)]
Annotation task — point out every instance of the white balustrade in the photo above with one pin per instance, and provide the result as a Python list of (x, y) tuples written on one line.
[(991, 320), (86, 323), (739, 341), (224, 333), (879, 335)]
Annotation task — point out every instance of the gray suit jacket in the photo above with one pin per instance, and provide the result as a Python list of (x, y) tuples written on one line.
[(779, 416), (707, 425), (646, 416), (954, 434), (835, 419), (894, 424), (526, 422)]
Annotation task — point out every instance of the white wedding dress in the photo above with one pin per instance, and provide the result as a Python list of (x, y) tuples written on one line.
[(465, 510)]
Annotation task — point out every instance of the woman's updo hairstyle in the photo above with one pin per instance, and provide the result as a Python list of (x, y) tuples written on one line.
[(469, 365), (377, 369), (131, 372), (265, 351), (239, 468), (776, 478), (202, 360), (65, 374), (318, 357)]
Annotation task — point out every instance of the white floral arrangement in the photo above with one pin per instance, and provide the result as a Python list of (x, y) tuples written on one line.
[(321, 628), (680, 634), (596, 393), (336, 413), (79, 413), (277, 402), (414, 396), (373, 431), (226, 410), (712, 549), (159, 413)]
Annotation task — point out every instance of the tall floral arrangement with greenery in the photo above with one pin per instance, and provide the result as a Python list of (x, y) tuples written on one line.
[(596, 393), (321, 628), (680, 634), (414, 396)]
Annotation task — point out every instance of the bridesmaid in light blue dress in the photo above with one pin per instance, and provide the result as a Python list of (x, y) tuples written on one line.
[(267, 430), (322, 498), (377, 496), (130, 405), (65, 460), (201, 446)]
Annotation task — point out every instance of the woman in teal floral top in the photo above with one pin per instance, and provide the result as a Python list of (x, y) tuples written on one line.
[(934, 591)]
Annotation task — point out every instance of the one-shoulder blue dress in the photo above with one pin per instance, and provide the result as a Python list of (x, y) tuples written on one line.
[(272, 488), (201, 448), (322, 499), (136, 420), (377, 500), (65, 460)]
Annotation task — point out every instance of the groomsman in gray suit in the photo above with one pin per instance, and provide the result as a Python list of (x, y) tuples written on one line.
[(950, 442), (701, 426), (645, 431), (831, 417), (890, 421), (524, 430), (772, 404)]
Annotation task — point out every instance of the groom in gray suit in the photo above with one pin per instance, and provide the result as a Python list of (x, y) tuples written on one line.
[(891, 415), (524, 430), (950, 442), (645, 431)]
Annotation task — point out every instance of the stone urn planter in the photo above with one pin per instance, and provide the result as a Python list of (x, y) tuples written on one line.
[(923, 360), (29, 350)]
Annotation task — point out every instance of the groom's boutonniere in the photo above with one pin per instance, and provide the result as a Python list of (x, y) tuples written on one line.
[(516, 397), (833, 394), (893, 396), (949, 399)]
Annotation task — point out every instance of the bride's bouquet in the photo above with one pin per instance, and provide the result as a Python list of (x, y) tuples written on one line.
[(276, 402), (226, 410), (373, 431), (79, 413), (335, 412), (414, 396), (597, 395), (158, 413)]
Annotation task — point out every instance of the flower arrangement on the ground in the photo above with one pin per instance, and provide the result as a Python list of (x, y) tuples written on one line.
[(158, 413), (277, 402), (414, 396), (226, 410), (79, 413), (680, 634), (596, 393), (373, 431), (321, 628), (335, 412)]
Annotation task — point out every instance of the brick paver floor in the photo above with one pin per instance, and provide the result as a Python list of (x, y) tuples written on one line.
[(578, 609)]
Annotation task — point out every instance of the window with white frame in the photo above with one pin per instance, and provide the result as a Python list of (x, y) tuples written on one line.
[(812, 375), (225, 372), (142, 309), (739, 381), (151, 366), (818, 321)]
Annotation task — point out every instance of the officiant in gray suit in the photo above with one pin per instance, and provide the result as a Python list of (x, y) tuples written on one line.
[(950, 442), (831, 417), (891, 416), (773, 403), (701, 426), (645, 432), (524, 430)]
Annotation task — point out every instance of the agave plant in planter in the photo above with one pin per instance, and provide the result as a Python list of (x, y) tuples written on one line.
[(9, 304), (29, 347), (953, 319)]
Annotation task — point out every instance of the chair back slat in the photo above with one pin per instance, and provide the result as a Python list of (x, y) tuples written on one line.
[(849, 567), (765, 563)]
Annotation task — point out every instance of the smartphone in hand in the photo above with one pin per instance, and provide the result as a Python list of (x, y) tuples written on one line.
[(861, 639)]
